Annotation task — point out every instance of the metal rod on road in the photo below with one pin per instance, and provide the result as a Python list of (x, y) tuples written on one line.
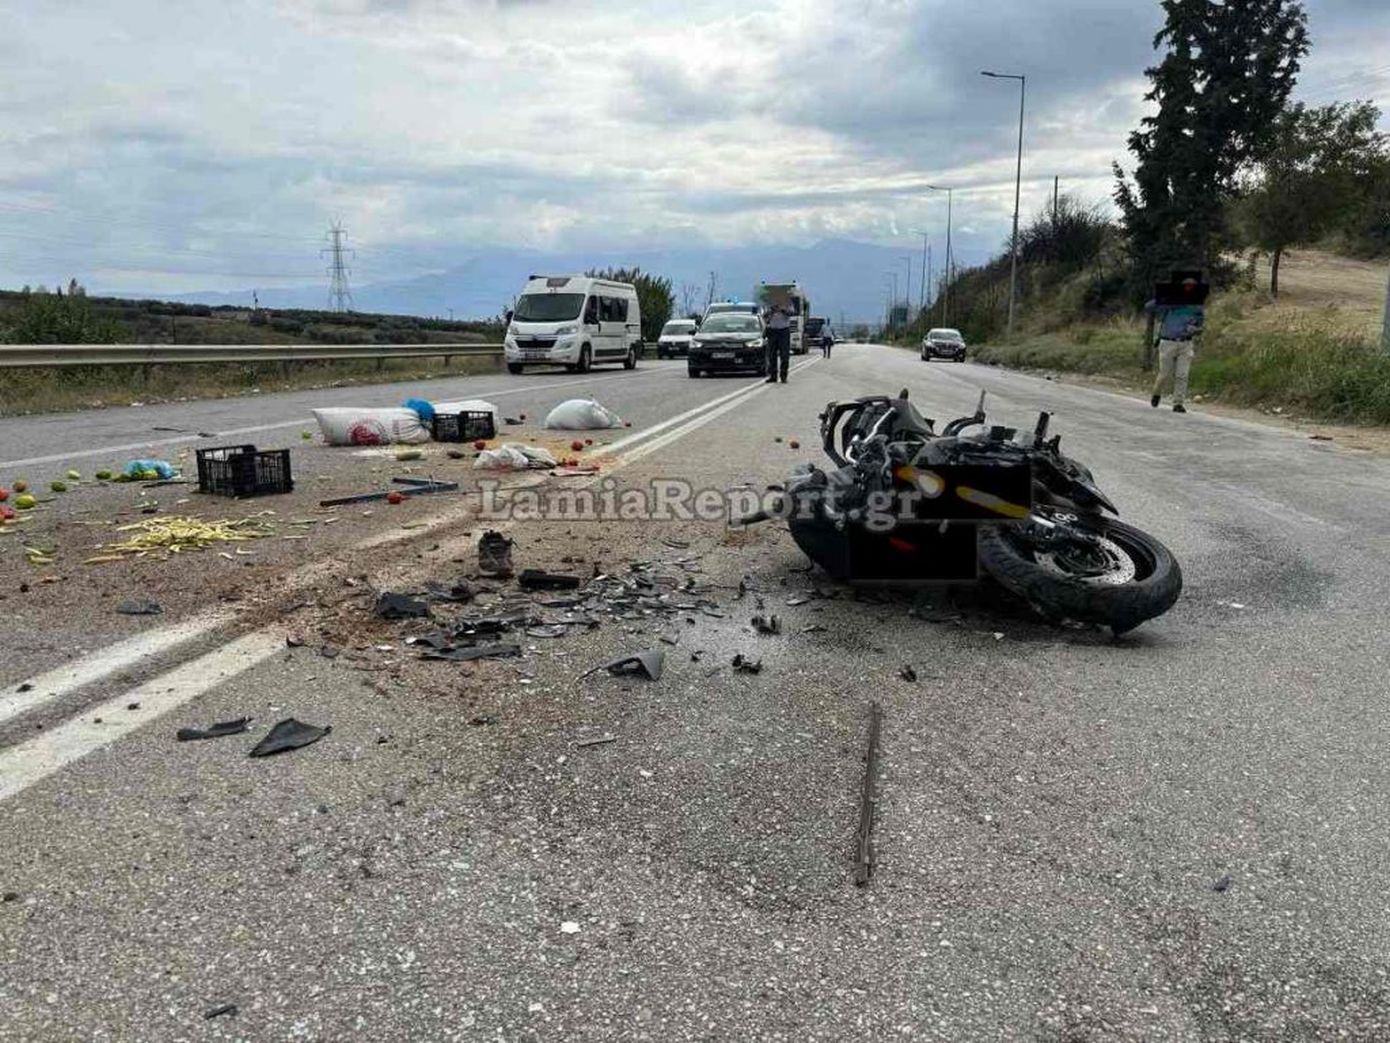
[(864, 852)]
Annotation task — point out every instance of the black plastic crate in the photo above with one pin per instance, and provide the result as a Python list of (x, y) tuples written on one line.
[(244, 470), (468, 426)]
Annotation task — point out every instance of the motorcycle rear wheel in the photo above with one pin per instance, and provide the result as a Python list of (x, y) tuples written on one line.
[(1129, 578)]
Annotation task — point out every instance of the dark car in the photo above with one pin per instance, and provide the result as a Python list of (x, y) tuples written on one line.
[(728, 342), (943, 344)]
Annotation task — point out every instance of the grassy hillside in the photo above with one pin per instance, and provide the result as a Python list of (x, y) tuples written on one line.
[(1315, 350)]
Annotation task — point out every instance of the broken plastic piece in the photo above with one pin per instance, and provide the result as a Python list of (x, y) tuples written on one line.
[(390, 605), (907, 673), (466, 653), (744, 665), (139, 607), (649, 662), (216, 731), (539, 579), (289, 734), (767, 624)]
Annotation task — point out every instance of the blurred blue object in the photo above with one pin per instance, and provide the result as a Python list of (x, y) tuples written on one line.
[(422, 408)]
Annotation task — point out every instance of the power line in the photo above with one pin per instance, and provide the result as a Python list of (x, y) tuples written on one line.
[(339, 293)]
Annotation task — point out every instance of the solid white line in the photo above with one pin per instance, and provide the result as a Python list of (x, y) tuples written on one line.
[(56, 683), (27, 763), (647, 432), (129, 447), (704, 418)]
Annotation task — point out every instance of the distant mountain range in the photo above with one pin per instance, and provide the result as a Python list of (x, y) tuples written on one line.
[(842, 278)]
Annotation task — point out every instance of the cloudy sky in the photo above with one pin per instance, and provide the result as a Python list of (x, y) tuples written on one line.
[(207, 144)]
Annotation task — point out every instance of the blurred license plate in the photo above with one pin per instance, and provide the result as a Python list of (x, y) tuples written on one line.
[(721, 354)]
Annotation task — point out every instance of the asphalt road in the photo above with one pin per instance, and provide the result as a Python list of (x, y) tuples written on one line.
[(1177, 835)]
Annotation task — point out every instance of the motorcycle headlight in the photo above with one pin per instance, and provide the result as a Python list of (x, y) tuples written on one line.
[(565, 331)]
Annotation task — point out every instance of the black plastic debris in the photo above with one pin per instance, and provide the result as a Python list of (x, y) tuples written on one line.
[(511, 420), (459, 592), (481, 720), (289, 734), (1223, 885), (649, 662), (217, 1012), (495, 555), (139, 607), (548, 631), (907, 673), (767, 625), (216, 731), (467, 653), (390, 605), (539, 579), (744, 665)]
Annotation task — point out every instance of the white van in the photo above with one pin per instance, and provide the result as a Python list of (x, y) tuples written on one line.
[(574, 321)]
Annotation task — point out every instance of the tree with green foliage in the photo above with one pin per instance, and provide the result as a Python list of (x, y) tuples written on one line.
[(654, 297), (1312, 177), (45, 318), (1226, 76)]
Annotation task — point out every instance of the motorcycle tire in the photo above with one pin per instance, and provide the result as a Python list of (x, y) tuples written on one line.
[(1120, 605)]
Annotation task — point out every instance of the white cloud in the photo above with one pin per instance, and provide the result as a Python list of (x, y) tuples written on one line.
[(171, 145)]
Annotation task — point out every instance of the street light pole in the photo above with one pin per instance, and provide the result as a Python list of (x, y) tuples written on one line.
[(946, 298), (907, 289), (922, 296), (1018, 183)]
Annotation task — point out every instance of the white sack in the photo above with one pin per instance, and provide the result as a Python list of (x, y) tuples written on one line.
[(367, 426), (582, 414)]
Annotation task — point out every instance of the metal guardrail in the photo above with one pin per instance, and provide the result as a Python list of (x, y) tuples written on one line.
[(15, 355)]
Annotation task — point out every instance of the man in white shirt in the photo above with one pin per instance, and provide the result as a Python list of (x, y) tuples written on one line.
[(778, 340)]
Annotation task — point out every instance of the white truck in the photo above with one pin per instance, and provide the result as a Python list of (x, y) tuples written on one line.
[(574, 321), (794, 297)]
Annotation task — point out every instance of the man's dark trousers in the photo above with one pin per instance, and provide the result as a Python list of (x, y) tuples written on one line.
[(779, 346)]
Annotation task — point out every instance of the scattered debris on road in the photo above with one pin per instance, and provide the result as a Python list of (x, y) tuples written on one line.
[(649, 662), (744, 665), (391, 605), (539, 579), (175, 534), (289, 734), (139, 607), (495, 555), (864, 856), (216, 731)]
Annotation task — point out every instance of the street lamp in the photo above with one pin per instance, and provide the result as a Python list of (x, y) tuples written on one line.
[(907, 288), (926, 276), (950, 258), (1018, 182)]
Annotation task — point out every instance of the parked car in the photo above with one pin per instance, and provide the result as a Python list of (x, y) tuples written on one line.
[(738, 307), (726, 342), (943, 344), (574, 321), (675, 338)]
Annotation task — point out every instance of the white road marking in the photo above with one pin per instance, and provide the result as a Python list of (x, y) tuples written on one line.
[(56, 683), (130, 447), (35, 759)]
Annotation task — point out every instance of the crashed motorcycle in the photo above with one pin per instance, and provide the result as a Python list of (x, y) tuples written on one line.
[(908, 505)]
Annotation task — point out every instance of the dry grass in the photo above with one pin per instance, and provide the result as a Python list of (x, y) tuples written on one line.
[(1315, 350)]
